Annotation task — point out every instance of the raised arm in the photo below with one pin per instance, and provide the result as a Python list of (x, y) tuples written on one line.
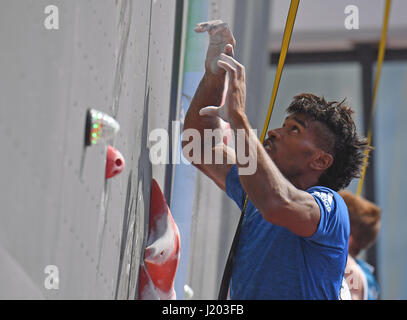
[(277, 199), (209, 93)]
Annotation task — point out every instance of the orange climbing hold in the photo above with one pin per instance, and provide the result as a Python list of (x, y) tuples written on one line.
[(161, 256)]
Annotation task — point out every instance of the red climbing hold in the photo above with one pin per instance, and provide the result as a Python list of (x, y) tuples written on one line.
[(114, 162), (161, 256)]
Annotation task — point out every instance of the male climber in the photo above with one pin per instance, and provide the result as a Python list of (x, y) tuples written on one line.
[(294, 238)]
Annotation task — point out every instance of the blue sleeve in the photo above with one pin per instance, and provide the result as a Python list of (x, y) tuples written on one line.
[(234, 189), (333, 228)]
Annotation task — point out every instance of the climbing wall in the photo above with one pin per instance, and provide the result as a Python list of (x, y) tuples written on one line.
[(65, 231), (57, 209)]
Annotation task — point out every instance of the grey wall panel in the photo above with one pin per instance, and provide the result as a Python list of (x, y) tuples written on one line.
[(160, 70), (21, 287), (152, 113), (34, 111), (57, 208), (121, 234)]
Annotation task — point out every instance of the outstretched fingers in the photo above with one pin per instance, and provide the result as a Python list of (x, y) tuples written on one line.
[(209, 111), (228, 68), (219, 28), (229, 51), (208, 26), (232, 67), (212, 111)]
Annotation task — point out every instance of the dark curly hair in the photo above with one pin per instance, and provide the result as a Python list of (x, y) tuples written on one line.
[(339, 138)]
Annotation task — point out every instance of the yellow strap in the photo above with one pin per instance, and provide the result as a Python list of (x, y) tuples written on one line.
[(292, 13), (380, 58), (288, 30)]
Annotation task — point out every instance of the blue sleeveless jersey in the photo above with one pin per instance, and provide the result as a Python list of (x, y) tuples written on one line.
[(273, 263)]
